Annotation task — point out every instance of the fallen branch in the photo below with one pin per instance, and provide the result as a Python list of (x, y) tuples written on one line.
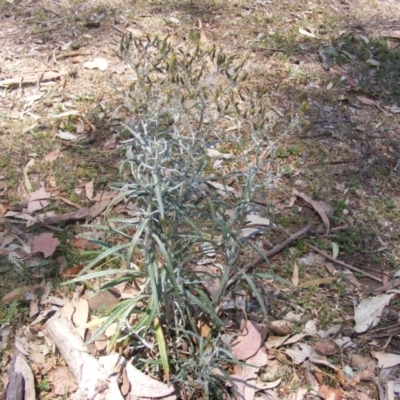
[(268, 254), (98, 379), (32, 79), (93, 380), (71, 54), (343, 264)]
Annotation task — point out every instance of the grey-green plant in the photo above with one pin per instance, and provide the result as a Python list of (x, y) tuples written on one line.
[(181, 207)]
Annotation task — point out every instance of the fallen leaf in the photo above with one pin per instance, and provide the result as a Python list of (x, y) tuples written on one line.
[(335, 250), (248, 342), (203, 328), (222, 189), (387, 360), (104, 299), (203, 37), (142, 385), (328, 393), (21, 291), (62, 381), (394, 109), (77, 59), (119, 68), (173, 20), (362, 363), (97, 209), (317, 282), (3, 208), (135, 32), (83, 244), (299, 353), (89, 190), (37, 200), (104, 196), (33, 304), (368, 312), (306, 33), (253, 219), (281, 327), (44, 243), (66, 136), (213, 153), (295, 275), (373, 62), (274, 342), (52, 156), (326, 348), (99, 63), (316, 205), (66, 114), (367, 101)]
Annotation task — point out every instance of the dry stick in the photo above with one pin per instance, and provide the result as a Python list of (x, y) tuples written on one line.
[(343, 264), (275, 250)]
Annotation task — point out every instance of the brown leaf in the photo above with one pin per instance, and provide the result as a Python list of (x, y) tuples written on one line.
[(295, 275), (104, 299), (317, 282), (317, 207), (3, 208), (328, 393), (248, 342), (37, 200), (97, 209), (358, 361), (44, 243), (203, 327), (63, 382), (104, 196), (77, 59), (89, 190), (83, 244), (52, 156), (21, 291), (367, 101), (69, 202), (326, 348)]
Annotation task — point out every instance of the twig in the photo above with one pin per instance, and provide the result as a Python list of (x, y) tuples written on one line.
[(28, 72), (390, 285), (343, 264), (53, 12), (331, 162), (275, 250), (71, 54), (52, 21)]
